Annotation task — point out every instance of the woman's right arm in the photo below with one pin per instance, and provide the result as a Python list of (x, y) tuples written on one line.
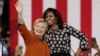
[(21, 26), (19, 9)]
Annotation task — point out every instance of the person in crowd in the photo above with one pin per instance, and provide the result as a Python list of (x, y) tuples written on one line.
[(58, 35), (34, 40), (3, 42), (95, 46), (4, 16), (18, 51)]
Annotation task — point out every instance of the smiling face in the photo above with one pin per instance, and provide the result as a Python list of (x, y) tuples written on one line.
[(40, 28), (50, 18), (1, 6)]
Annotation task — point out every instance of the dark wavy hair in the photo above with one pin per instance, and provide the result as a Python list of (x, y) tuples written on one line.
[(56, 14)]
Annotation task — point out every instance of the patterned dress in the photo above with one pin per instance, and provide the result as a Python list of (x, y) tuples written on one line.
[(59, 40)]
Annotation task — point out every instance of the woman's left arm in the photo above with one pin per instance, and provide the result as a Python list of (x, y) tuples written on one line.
[(79, 35)]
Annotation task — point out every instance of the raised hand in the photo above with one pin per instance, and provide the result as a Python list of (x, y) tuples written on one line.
[(19, 9), (19, 6)]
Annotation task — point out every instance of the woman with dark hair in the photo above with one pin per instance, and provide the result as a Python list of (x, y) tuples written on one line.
[(56, 14), (58, 35)]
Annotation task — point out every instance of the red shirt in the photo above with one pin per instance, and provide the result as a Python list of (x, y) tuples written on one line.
[(34, 47)]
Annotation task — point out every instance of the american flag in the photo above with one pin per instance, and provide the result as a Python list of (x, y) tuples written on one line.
[(84, 15)]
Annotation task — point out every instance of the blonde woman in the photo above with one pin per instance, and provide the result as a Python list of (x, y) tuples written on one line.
[(34, 41)]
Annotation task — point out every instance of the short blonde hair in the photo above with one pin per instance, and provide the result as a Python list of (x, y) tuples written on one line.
[(41, 20)]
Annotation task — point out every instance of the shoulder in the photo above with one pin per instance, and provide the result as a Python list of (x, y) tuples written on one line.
[(66, 25)]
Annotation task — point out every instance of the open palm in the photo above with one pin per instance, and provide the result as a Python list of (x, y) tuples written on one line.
[(19, 7)]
